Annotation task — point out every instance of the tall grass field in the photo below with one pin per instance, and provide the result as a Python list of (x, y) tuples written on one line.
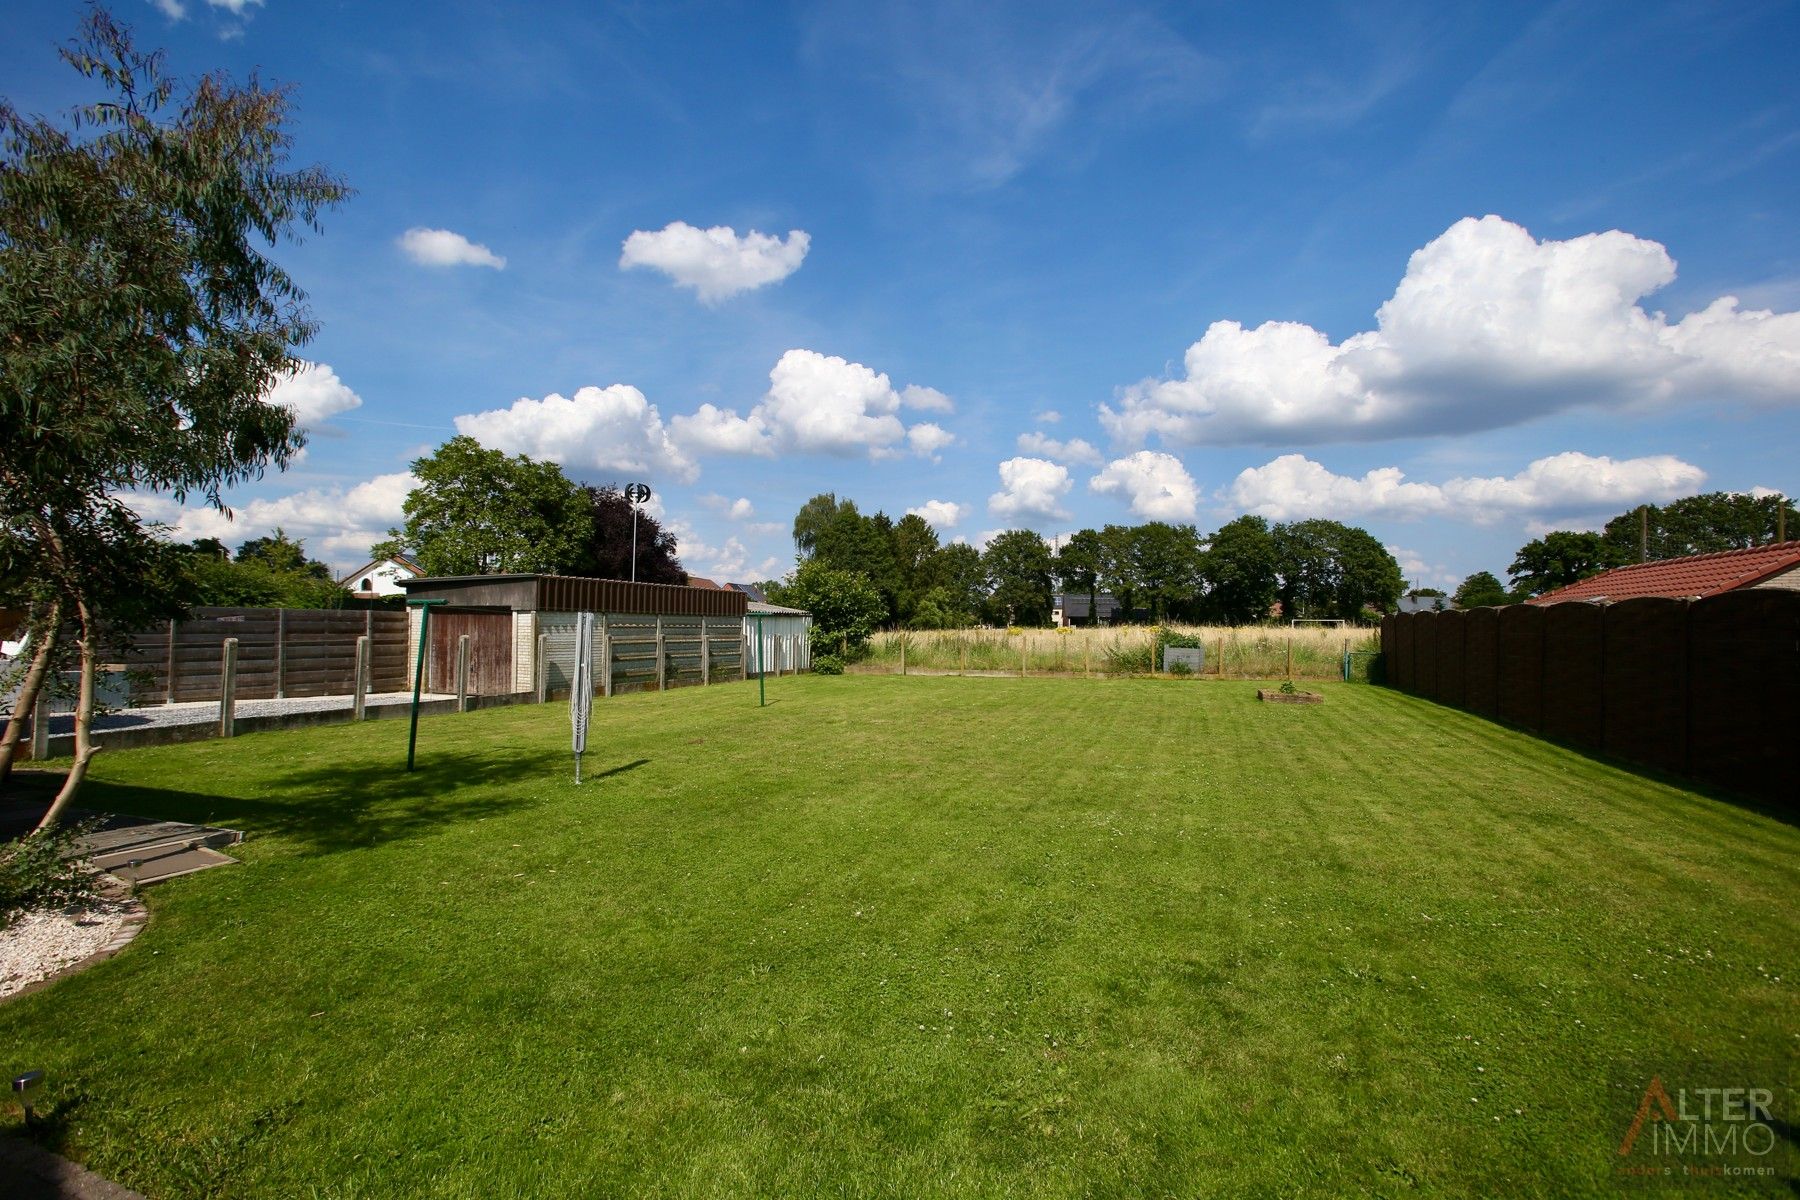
[(1232, 652)]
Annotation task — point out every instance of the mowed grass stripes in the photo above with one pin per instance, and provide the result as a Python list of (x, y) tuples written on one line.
[(917, 936)]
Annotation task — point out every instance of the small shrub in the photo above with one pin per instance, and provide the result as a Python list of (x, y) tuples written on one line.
[(1288, 688), (1180, 668), (827, 664), (38, 870)]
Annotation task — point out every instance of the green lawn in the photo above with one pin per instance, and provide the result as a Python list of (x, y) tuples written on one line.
[(915, 937)]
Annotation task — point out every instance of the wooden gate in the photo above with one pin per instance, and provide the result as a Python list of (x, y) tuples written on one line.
[(490, 650)]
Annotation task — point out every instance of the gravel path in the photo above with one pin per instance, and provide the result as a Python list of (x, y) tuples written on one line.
[(207, 711), (44, 941)]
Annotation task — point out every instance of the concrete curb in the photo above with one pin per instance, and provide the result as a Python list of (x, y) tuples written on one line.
[(62, 745), (42, 1175)]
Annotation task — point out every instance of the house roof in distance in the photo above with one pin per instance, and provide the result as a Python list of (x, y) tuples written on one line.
[(1682, 578), (399, 560)]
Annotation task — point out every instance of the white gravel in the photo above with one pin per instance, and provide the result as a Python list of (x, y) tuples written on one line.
[(45, 940), (206, 712)]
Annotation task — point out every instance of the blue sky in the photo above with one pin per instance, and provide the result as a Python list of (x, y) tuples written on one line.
[(1457, 273)]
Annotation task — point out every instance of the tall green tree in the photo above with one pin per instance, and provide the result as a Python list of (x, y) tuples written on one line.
[(1481, 590), (1119, 566), (1078, 567), (959, 580), (811, 520), (1019, 569), (1703, 524), (478, 511), (1166, 561), (1239, 571), (1562, 557), (915, 544), (142, 320), (1328, 569)]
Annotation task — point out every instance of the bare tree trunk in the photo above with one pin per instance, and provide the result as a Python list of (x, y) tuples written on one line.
[(84, 721), (28, 692)]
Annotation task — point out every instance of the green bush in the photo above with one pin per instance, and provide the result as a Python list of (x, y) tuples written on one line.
[(44, 869), (827, 664)]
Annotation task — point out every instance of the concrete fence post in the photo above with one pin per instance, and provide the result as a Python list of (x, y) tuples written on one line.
[(228, 688), (606, 659), (169, 685), (462, 673), (705, 651), (281, 654), (40, 727), (360, 688), (541, 669), (660, 659)]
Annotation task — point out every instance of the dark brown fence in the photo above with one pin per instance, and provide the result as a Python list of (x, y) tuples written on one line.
[(281, 652), (1705, 688)]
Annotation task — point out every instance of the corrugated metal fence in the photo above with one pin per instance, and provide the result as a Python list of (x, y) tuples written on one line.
[(1705, 688)]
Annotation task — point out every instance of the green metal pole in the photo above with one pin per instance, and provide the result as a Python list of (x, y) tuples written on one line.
[(412, 737)]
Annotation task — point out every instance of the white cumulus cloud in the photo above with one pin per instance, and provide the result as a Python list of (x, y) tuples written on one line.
[(314, 392), (1157, 486), (716, 262), (926, 399), (1489, 327), (928, 438), (816, 404), (443, 248), (940, 514), (1031, 488), (338, 525), (1570, 484), (1075, 450), (597, 429)]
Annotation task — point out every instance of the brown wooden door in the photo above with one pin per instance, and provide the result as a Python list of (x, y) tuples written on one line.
[(490, 651)]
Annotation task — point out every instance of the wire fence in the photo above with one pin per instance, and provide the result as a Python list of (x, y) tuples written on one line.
[(1246, 652)]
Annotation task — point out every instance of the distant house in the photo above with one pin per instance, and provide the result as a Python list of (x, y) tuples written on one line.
[(1071, 608), (380, 577), (751, 590), (1690, 578), (1416, 602), (701, 581)]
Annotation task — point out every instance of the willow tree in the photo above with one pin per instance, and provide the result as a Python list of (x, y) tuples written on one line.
[(142, 320)]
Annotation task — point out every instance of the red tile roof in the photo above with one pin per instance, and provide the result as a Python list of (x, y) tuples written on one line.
[(1682, 578), (700, 582)]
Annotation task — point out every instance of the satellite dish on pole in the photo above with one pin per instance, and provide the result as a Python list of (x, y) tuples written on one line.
[(637, 493)]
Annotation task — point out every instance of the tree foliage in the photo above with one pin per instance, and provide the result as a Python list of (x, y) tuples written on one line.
[(1019, 568), (1240, 571), (1703, 524), (478, 511), (1480, 590), (142, 320), (1327, 569), (845, 606), (606, 554), (1562, 557)]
